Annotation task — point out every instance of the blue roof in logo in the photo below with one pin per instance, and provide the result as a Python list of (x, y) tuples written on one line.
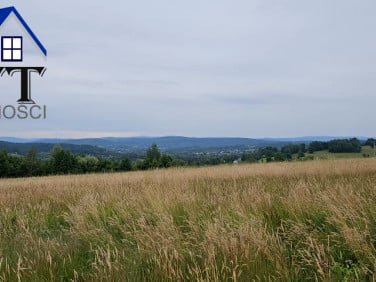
[(5, 13)]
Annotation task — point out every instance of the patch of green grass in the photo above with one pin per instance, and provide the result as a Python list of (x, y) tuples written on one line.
[(366, 151), (181, 218), (53, 225)]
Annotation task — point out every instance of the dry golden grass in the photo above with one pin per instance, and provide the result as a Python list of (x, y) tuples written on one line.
[(262, 222)]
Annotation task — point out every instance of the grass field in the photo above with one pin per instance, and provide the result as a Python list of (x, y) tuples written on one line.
[(300, 221), (366, 151)]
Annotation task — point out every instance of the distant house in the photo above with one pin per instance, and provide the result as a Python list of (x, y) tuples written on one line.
[(18, 43), (237, 161)]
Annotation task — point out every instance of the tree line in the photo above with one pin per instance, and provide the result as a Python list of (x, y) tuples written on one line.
[(299, 151), (352, 145), (62, 161)]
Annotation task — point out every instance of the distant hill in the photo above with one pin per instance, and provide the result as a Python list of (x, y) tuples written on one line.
[(17, 140), (45, 149), (167, 144)]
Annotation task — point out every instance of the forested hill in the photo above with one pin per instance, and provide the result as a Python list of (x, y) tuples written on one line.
[(171, 144), (46, 148)]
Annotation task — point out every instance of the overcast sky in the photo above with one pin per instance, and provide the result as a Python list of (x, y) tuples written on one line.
[(247, 68)]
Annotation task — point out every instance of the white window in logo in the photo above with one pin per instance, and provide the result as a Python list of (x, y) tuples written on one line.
[(11, 49)]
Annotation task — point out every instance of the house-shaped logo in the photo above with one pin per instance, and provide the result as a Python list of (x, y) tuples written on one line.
[(20, 52), (18, 43)]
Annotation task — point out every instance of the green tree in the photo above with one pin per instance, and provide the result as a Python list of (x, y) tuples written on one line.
[(106, 165), (87, 163), (317, 146), (279, 157), (62, 161), (125, 164), (16, 166), (32, 163), (266, 152), (301, 155), (166, 161), (370, 142), (344, 146), (153, 157), (139, 165), (249, 157), (293, 148), (4, 164)]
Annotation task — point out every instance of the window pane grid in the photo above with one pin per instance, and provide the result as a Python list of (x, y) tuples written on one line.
[(11, 48)]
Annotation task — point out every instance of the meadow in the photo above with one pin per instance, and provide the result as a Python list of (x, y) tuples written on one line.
[(296, 221), (366, 151)]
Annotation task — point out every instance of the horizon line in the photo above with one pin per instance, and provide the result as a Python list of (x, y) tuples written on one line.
[(308, 137)]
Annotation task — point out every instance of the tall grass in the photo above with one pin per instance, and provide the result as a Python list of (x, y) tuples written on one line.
[(265, 222)]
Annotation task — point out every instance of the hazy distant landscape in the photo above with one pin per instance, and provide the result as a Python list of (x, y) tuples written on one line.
[(169, 144)]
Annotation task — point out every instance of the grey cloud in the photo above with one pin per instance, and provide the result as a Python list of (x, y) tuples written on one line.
[(205, 68)]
